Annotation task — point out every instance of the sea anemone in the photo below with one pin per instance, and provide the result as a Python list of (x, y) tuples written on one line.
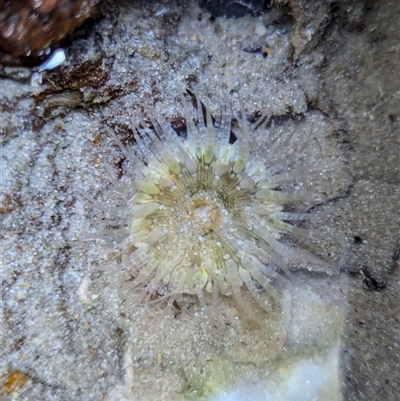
[(202, 216)]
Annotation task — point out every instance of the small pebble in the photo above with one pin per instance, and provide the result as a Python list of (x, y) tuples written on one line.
[(260, 30)]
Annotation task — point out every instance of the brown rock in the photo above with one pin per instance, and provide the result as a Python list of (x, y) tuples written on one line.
[(28, 27)]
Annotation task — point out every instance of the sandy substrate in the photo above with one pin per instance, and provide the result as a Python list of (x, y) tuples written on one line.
[(328, 74)]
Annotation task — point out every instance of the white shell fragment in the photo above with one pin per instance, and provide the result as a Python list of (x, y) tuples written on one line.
[(56, 59), (161, 11), (36, 79)]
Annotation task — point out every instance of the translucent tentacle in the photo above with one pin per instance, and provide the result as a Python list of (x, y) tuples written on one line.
[(223, 128), (241, 161), (193, 137)]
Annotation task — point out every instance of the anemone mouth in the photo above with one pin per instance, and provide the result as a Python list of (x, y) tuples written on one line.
[(206, 215)]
